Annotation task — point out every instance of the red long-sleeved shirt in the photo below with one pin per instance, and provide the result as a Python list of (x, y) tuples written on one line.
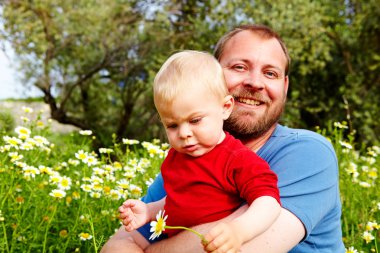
[(212, 186)]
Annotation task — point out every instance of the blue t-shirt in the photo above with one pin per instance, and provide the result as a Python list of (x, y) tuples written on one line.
[(307, 170)]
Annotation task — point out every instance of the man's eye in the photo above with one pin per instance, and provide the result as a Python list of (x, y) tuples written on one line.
[(271, 74), (239, 67)]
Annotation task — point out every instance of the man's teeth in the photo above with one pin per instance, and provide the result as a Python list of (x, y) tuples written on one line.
[(248, 101)]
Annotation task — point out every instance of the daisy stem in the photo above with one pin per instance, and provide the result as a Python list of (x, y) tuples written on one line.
[(47, 228), (5, 236), (202, 237), (92, 230)]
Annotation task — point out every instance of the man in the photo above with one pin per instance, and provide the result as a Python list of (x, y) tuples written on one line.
[(255, 62)]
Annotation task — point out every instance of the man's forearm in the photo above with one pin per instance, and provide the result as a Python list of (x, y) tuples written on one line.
[(283, 235), (125, 242), (187, 242), (184, 242), (286, 232)]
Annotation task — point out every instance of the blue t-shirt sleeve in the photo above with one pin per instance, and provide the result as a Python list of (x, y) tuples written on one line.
[(307, 173), (155, 192)]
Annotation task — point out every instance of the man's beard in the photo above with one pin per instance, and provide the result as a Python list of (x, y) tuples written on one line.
[(256, 126)]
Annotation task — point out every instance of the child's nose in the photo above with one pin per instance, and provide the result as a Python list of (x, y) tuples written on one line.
[(185, 131)]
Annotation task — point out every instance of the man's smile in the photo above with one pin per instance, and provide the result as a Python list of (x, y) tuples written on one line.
[(248, 101)]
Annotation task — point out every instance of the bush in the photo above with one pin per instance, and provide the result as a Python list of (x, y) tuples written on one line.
[(7, 122)]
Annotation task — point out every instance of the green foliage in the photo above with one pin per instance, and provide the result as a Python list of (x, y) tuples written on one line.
[(333, 76), (26, 100), (83, 55), (330, 79), (7, 122), (95, 60), (63, 196), (359, 180)]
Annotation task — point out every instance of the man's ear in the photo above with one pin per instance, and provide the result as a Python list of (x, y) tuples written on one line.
[(228, 105), (286, 84), (286, 87)]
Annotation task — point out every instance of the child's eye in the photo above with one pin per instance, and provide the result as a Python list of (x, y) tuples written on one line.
[(172, 126), (195, 121)]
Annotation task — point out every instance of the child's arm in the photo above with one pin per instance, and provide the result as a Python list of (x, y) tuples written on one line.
[(228, 237), (135, 213)]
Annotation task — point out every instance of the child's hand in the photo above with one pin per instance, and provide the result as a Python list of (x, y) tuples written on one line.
[(223, 238), (134, 214)]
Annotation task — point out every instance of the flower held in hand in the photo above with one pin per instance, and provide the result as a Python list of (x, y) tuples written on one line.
[(158, 225)]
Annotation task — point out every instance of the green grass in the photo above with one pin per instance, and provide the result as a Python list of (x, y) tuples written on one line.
[(27, 99), (359, 184), (59, 195), (36, 216)]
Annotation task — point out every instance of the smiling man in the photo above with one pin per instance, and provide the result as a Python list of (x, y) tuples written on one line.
[(256, 63), (255, 67)]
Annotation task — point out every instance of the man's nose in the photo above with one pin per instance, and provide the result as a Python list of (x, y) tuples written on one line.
[(254, 80)]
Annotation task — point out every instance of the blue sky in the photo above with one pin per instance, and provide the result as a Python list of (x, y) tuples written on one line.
[(10, 85)]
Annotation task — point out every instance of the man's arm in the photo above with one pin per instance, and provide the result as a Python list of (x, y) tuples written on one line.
[(187, 242), (230, 236), (125, 242), (286, 232)]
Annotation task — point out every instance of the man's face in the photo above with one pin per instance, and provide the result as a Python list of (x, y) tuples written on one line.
[(254, 69)]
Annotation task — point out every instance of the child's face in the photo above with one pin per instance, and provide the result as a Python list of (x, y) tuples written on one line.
[(194, 121)]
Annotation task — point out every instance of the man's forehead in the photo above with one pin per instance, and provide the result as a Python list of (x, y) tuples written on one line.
[(252, 40), (247, 45)]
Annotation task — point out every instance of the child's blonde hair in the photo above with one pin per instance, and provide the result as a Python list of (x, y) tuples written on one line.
[(188, 70)]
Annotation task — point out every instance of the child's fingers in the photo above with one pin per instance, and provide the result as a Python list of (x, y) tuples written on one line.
[(127, 220), (221, 239), (233, 251), (129, 227), (122, 216), (214, 239), (126, 213), (217, 245), (129, 224), (224, 249), (129, 203)]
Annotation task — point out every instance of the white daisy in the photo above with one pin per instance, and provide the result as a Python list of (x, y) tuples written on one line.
[(158, 226)]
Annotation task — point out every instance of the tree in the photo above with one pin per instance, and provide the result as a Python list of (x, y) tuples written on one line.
[(95, 60), (333, 76), (69, 50)]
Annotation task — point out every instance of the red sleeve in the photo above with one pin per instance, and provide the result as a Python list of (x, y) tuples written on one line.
[(253, 177)]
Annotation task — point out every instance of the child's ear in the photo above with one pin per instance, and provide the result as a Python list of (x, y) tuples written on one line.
[(228, 105)]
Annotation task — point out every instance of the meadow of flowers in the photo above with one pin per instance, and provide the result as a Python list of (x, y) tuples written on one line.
[(58, 194)]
